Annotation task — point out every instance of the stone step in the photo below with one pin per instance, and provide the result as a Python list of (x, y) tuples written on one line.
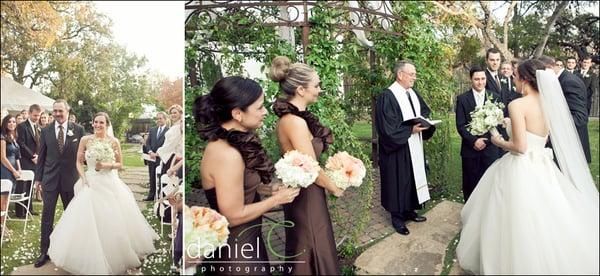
[(421, 252)]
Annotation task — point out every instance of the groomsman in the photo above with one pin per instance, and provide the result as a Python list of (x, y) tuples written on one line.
[(155, 139), (29, 143), (401, 156), (590, 79), (496, 83), (575, 93), (508, 83), (571, 64), (477, 152)]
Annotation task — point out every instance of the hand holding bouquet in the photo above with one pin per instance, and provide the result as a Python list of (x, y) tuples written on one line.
[(101, 151), (297, 170), (486, 117), (345, 170)]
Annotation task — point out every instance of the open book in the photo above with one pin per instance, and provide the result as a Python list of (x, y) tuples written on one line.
[(147, 157), (420, 120)]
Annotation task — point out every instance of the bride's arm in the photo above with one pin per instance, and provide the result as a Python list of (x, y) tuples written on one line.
[(518, 141), (81, 158), (118, 157)]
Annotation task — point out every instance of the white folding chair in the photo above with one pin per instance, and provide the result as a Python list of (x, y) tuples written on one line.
[(5, 186), (20, 199), (157, 181), (168, 185)]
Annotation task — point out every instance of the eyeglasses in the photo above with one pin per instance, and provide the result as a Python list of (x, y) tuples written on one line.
[(414, 75)]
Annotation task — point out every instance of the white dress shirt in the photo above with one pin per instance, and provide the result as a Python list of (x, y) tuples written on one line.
[(479, 97)]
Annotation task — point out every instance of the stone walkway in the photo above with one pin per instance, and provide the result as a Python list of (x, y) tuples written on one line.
[(425, 247), (137, 179)]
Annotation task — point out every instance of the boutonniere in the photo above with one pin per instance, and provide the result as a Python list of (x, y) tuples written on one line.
[(503, 80), (70, 132), (586, 75)]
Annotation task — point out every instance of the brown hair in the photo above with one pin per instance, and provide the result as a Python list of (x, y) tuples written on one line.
[(290, 76)]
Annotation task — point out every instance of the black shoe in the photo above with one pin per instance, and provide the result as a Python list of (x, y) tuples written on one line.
[(41, 260), (418, 218), (34, 213), (149, 199), (402, 230)]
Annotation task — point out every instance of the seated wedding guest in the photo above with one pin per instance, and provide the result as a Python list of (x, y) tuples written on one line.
[(299, 129), (10, 167), (234, 164)]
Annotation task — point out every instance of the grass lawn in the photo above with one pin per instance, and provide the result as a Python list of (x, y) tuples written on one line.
[(23, 248), (132, 155)]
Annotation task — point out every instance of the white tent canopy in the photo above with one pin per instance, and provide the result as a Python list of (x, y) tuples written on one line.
[(16, 97)]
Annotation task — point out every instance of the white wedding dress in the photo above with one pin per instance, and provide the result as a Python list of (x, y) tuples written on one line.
[(526, 217), (102, 231)]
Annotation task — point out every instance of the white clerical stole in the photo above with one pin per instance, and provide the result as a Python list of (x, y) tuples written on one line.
[(415, 142)]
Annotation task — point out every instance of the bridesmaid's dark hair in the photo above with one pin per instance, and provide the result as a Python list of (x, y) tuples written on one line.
[(213, 109), (526, 71), (6, 132)]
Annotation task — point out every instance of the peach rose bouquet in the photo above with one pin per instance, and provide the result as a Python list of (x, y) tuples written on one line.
[(296, 169), (205, 230), (345, 170)]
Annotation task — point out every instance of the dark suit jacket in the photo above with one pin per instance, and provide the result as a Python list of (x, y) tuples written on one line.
[(591, 82), (500, 93), (58, 171), (28, 144), (576, 95), (153, 143), (465, 103)]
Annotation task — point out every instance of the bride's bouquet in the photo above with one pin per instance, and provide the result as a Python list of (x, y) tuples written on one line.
[(296, 169), (345, 170), (101, 151), (486, 117), (204, 229)]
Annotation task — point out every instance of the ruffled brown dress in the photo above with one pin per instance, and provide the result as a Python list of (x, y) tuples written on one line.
[(236, 258), (311, 238)]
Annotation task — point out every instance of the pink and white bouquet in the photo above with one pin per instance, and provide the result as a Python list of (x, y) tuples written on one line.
[(345, 170), (205, 230), (486, 117), (296, 169)]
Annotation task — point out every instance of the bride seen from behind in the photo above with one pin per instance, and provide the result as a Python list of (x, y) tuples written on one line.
[(526, 216), (102, 231)]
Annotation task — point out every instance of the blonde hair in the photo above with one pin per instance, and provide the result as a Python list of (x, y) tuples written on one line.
[(290, 76), (176, 107)]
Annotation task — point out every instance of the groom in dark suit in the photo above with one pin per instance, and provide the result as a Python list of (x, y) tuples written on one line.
[(477, 152), (56, 169), (155, 140), (575, 93)]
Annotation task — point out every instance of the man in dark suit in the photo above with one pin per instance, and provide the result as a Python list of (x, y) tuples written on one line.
[(56, 169), (576, 95), (496, 83), (590, 79), (155, 139), (571, 65), (508, 82), (29, 143), (477, 152)]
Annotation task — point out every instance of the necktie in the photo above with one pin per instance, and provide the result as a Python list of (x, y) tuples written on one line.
[(37, 138), (411, 104), (61, 139), (497, 81), (158, 132)]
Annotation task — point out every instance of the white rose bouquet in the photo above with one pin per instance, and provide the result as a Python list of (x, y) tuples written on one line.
[(296, 169), (101, 151), (486, 117)]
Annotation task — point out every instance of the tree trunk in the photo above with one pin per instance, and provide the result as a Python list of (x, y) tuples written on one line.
[(539, 50)]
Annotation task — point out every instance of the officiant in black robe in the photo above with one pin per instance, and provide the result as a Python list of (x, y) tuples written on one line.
[(398, 185)]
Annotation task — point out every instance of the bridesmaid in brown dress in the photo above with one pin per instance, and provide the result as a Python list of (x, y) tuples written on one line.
[(311, 239), (234, 164)]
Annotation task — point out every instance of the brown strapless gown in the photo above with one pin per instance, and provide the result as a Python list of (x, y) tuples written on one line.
[(312, 234), (244, 234)]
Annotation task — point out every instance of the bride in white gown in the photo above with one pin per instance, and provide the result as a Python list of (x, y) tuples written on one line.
[(526, 216), (102, 231)]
